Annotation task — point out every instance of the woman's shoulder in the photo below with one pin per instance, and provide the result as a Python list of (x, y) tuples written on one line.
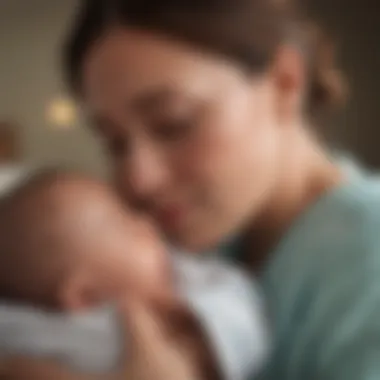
[(338, 238), (323, 286), (344, 233), (344, 220)]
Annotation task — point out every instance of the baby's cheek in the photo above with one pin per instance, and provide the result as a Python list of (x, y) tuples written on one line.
[(155, 277)]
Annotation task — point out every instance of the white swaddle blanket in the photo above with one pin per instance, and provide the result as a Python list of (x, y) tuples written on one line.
[(225, 301)]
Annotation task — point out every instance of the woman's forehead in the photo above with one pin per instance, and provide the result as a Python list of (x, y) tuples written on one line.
[(129, 64)]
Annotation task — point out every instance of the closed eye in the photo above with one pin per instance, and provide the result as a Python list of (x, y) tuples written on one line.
[(173, 130), (118, 146)]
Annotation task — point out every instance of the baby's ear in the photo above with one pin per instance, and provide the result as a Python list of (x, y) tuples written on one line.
[(81, 291)]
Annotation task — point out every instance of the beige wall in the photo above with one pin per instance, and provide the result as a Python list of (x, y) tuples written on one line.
[(30, 31)]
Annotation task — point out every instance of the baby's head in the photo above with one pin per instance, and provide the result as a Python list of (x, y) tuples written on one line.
[(68, 242)]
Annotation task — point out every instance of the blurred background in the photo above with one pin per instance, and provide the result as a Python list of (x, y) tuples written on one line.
[(39, 124)]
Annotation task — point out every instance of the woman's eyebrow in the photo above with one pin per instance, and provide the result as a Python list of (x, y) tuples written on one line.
[(154, 98)]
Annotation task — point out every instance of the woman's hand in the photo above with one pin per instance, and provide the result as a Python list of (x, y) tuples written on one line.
[(161, 348), (157, 350)]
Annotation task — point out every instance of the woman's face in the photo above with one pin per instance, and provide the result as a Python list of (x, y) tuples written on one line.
[(192, 139)]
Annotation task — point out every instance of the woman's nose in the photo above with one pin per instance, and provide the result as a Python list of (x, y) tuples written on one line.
[(147, 172)]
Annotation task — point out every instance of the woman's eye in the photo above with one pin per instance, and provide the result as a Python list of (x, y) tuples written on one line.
[(117, 146), (175, 119), (173, 130)]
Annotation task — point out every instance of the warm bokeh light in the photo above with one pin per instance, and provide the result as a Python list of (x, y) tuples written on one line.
[(61, 113)]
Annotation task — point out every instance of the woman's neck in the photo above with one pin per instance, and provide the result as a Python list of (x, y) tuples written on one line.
[(307, 177)]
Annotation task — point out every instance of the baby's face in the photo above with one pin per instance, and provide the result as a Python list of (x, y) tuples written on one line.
[(71, 243), (123, 255), (80, 246)]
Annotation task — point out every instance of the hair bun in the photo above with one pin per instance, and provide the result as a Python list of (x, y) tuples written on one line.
[(328, 87)]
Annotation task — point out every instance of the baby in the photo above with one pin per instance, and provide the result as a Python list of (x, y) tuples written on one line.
[(69, 249)]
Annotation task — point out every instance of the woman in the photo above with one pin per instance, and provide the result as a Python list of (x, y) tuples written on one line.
[(206, 108)]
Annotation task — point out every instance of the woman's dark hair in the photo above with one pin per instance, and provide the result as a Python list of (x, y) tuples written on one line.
[(247, 31)]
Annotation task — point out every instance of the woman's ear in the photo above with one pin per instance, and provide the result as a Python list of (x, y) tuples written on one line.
[(289, 78), (81, 291)]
